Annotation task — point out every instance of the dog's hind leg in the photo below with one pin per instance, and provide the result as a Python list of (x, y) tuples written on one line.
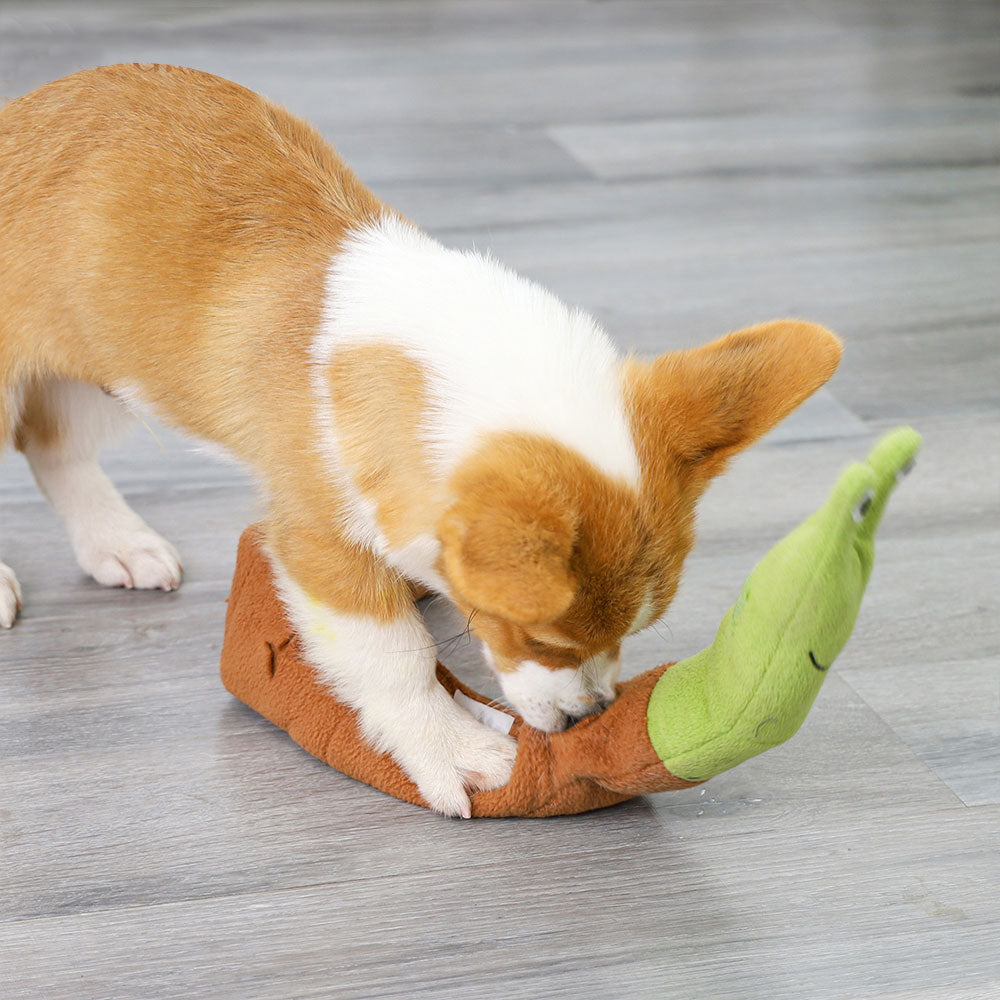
[(63, 426)]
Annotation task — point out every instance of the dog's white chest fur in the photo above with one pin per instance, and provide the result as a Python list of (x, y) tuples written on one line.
[(503, 353)]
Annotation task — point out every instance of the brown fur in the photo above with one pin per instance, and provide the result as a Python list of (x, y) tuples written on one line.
[(170, 231), (539, 537), (699, 407), (380, 395), (601, 760), (36, 420)]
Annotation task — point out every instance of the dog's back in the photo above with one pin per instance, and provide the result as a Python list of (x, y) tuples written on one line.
[(152, 218)]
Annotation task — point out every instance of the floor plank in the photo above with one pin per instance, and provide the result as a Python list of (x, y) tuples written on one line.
[(681, 169)]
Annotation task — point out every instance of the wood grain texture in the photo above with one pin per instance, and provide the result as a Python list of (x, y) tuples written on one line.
[(680, 169)]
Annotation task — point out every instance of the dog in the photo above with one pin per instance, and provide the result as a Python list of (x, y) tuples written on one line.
[(419, 418)]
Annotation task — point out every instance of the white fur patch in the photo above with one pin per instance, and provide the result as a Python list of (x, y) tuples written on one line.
[(130, 396), (544, 698), (501, 354), (505, 353), (386, 671), (87, 417), (416, 561), (644, 615)]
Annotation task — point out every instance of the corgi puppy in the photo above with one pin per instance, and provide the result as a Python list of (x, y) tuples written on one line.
[(417, 417)]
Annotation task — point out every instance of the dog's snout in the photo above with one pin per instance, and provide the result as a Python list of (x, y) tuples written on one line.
[(552, 699), (590, 706)]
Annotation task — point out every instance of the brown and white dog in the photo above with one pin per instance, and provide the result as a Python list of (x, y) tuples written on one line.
[(415, 415)]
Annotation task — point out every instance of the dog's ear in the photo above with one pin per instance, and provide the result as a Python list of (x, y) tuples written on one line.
[(703, 405), (506, 550)]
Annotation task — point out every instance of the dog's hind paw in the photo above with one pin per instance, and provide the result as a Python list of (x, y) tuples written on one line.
[(10, 596), (135, 558)]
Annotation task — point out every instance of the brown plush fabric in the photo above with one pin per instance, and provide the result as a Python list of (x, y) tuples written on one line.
[(601, 760)]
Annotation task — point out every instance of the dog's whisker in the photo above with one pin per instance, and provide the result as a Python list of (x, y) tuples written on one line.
[(450, 642), (655, 626), (438, 644)]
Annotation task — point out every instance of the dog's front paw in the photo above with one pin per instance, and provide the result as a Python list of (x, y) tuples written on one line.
[(10, 596), (462, 758), (135, 557)]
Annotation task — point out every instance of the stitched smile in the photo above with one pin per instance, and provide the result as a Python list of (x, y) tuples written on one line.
[(817, 665)]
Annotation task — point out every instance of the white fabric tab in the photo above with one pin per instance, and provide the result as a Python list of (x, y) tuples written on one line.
[(486, 714)]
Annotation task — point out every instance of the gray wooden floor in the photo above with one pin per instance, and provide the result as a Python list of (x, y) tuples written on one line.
[(680, 169)]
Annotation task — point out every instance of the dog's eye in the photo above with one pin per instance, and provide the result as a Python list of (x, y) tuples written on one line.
[(864, 504)]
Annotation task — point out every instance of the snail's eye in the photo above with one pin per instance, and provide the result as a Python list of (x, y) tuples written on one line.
[(905, 470), (863, 506)]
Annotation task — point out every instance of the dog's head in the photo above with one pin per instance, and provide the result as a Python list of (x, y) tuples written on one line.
[(555, 563)]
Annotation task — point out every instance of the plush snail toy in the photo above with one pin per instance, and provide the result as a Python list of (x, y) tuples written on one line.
[(671, 727)]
